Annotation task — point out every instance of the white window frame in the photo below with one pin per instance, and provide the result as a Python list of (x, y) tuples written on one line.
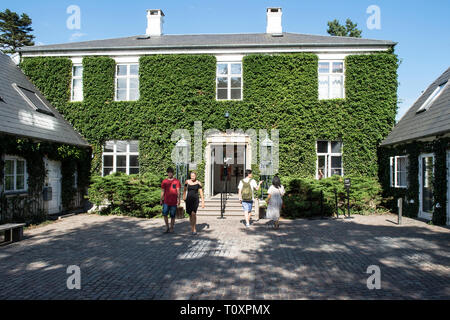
[(128, 76), (424, 214), (115, 153), (73, 80), (25, 184), (433, 96), (328, 156), (229, 76), (393, 168), (329, 75)]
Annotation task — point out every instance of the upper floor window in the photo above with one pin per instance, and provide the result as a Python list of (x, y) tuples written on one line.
[(121, 156), (427, 104), (329, 159), (399, 171), (127, 82), (15, 174), (77, 83), (229, 81), (331, 79)]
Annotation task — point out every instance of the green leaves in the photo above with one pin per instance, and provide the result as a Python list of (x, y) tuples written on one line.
[(280, 91), (15, 31), (131, 195), (310, 197)]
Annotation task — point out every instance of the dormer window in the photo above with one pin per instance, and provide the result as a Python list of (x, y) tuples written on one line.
[(427, 104), (33, 100)]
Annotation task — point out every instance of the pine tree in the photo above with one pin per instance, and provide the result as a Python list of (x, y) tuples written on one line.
[(15, 31), (349, 30)]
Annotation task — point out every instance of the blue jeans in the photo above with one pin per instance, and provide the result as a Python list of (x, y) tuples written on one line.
[(171, 209)]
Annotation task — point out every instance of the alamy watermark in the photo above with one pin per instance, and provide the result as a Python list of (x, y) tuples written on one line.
[(374, 280), (73, 21), (268, 143), (374, 20), (74, 280)]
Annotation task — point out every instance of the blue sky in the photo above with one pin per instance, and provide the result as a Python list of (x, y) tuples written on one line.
[(419, 27)]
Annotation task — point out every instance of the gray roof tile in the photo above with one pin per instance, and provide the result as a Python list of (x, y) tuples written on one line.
[(17, 117), (210, 41), (435, 120)]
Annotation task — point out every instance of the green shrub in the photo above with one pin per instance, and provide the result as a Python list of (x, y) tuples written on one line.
[(306, 198), (130, 195)]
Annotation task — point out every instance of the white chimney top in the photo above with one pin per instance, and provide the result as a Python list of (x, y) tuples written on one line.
[(274, 21), (155, 22)]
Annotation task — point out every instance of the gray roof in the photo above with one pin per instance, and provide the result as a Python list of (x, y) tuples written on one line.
[(18, 118), (246, 40), (435, 120)]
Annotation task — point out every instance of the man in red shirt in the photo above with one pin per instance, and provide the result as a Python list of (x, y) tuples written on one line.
[(170, 198)]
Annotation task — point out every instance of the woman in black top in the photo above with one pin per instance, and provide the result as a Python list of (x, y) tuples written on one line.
[(192, 188)]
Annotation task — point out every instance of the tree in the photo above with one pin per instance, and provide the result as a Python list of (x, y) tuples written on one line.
[(15, 31), (349, 30)]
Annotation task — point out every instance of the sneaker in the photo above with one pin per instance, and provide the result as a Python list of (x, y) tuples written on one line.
[(247, 225)]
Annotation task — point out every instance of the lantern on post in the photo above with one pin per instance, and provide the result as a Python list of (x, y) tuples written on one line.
[(266, 163), (182, 160)]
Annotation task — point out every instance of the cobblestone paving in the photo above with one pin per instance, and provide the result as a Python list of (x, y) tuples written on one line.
[(128, 258)]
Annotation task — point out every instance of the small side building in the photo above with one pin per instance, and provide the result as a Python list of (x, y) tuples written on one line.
[(415, 156), (44, 162)]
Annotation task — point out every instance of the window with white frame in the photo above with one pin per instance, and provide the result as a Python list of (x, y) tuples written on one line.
[(15, 174), (399, 171), (329, 159), (427, 104), (127, 82), (331, 79), (229, 81), (121, 156), (77, 83)]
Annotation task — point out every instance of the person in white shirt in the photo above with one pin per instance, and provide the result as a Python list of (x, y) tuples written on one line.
[(275, 201), (246, 187)]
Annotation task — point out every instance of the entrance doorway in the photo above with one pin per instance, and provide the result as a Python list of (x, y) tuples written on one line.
[(227, 174), (54, 181), (426, 171), (227, 157)]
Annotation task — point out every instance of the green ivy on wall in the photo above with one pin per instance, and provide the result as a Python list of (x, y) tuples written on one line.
[(280, 92), (72, 159), (413, 150)]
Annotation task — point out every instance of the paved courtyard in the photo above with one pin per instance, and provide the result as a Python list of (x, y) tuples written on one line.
[(128, 258)]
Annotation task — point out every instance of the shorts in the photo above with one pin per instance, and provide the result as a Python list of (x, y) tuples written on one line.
[(171, 209), (247, 205)]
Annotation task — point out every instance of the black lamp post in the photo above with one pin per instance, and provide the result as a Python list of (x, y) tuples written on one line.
[(227, 116)]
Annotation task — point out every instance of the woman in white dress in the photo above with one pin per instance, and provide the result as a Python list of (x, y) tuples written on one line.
[(275, 201)]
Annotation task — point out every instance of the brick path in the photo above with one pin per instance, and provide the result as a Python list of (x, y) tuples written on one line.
[(127, 258)]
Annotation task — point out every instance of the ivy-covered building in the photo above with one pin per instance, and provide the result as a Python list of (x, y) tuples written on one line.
[(40, 153), (415, 156), (333, 99)]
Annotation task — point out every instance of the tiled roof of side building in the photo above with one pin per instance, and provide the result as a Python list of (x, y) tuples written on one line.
[(432, 121), (211, 41), (19, 118)]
